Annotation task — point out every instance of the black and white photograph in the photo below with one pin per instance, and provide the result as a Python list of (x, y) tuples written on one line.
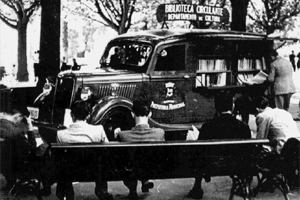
[(149, 100)]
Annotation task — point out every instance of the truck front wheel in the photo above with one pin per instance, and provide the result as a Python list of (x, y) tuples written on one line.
[(117, 118)]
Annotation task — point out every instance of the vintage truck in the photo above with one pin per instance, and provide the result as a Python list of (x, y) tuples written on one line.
[(178, 71)]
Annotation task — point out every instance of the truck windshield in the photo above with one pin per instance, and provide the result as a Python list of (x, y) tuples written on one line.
[(126, 56)]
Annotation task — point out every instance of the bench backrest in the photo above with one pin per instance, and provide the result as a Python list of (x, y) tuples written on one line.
[(155, 160)]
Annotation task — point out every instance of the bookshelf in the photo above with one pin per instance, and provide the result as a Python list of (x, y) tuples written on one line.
[(221, 63), (216, 79), (248, 68), (212, 72), (251, 64), (205, 65)]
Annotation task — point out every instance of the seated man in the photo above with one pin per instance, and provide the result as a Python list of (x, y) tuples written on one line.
[(81, 132), (225, 126), (274, 124), (18, 144), (21, 159), (277, 125), (115, 58), (141, 132)]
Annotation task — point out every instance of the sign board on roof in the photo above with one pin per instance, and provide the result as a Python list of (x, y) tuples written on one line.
[(190, 12)]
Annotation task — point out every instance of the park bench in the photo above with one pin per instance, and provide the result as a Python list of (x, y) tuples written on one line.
[(160, 160)]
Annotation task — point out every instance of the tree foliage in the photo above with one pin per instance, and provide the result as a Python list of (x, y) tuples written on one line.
[(271, 15), (16, 14), (111, 13)]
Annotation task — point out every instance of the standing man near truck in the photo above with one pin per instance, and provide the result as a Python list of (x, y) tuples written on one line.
[(281, 77)]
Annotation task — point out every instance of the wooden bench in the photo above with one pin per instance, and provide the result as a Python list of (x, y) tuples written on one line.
[(159, 160)]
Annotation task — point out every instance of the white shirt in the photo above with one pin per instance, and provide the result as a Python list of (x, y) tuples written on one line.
[(277, 121), (82, 132)]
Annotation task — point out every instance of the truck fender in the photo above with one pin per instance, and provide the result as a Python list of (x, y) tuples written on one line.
[(105, 105), (114, 114)]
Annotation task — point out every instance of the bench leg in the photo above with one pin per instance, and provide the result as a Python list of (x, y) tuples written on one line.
[(197, 191), (272, 181), (260, 180), (38, 191), (282, 185), (241, 187)]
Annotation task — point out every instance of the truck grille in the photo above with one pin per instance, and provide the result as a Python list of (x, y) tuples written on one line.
[(126, 91)]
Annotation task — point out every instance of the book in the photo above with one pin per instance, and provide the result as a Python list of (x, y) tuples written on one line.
[(258, 64), (259, 78), (221, 79), (202, 65)]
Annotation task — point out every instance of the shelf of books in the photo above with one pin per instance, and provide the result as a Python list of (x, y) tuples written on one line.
[(212, 72), (211, 80), (251, 64), (248, 69), (205, 65)]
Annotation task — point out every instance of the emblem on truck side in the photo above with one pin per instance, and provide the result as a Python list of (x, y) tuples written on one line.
[(170, 101)]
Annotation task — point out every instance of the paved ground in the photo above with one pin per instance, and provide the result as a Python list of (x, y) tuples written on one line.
[(172, 189), (177, 189)]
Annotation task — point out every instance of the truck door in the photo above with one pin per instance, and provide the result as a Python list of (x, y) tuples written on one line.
[(169, 82)]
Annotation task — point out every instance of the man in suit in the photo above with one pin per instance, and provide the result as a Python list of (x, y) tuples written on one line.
[(225, 126), (281, 77), (141, 132)]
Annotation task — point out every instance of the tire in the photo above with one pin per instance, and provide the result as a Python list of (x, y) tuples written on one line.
[(117, 118)]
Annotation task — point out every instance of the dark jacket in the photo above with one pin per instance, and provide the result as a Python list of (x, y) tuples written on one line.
[(16, 149), (224, 127)]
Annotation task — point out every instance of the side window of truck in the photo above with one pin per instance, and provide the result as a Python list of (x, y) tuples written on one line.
[(171, 59)]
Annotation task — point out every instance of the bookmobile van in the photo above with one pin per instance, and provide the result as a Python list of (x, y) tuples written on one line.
[(178, 71)]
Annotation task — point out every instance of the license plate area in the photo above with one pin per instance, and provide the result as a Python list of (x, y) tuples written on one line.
[(34, 112)]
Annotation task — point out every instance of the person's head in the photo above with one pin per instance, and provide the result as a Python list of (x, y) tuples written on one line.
[(261, 103), (273, 54), (141, 108), (223, 102), (79, 110), (18, 112)]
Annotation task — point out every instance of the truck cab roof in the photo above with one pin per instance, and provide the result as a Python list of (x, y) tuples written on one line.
[(161, 35)]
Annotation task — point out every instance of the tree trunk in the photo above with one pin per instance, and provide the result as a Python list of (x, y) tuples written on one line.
[(50, 39), (22, 75), (121, 30), (239, 13), (65, 39)]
